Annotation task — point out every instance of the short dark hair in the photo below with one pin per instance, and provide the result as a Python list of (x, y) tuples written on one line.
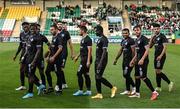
[(156, 25), (83, 28), (33, 24), (137, 26), (25, 23), (126, 29), (100, 28), (55, 26), (38, 25), (59, 21)]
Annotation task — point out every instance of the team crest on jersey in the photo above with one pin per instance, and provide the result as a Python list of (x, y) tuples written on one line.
[(82, 41), (98, 41), (62, 35), (31, 39), (139, 42), (54, 40), (126, 43), (158, 39)]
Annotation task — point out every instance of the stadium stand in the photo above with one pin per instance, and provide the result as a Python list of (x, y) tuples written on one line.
[(145, 16), (72, 17), (19, 12), (7, 26)]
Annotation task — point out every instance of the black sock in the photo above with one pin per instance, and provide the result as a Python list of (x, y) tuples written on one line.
[(36, 81), (148, 83), (41, 71), (98, 85), (131, 82), (49, 78), (63, 78), (30, 87), (106, 83), (59, 80), (22, 78), (158, 80), (137, 83), (80, 81), (127, 79), (88, 82), (165, 78)]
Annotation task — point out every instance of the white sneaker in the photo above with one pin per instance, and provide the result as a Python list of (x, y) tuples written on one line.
[(87, 93), (40, 81), (133, 91), (21, 88), (158, 89), (136, 95), (56, 88), (125, 92), (171, 86), (64, 86)]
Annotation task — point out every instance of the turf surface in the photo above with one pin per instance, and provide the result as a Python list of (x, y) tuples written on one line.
[(9, 74)]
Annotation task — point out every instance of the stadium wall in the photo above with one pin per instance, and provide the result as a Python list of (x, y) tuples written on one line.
[(94, 3)]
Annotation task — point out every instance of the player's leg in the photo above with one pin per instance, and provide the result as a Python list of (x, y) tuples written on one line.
[(137, 83), (58, 71), (48, 70), (128, 80), (40, 66), (106, 82), (80, 80), (64, 84), (98, 84), (100, 79), (160, 75), (22, 77), (32, 78), (143, 74), (87, 81)]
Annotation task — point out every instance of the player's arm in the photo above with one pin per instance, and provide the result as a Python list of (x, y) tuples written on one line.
[(118, 55), (70, 44), (18, 51), (133, 50), (89, 56), (164, 49), (60, 47), (71, 48), (46, 41), (151, 43), (131, 64), (141, 62), (58, 52), (102, 57), (105, 46), (76, 57), (134, 55), (37, 54)]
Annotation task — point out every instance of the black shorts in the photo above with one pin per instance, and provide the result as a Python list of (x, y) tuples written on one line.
[(99, 72), (40, 64), (53, 67), (159, 64), (29, 70), (141, 70), (126, 69), (63, 63), (83, 67)]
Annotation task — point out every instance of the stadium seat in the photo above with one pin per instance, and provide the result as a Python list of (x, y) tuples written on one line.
[(60, 14), (7, 27)]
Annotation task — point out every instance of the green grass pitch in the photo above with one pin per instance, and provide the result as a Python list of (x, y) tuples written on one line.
[(9, 80)]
